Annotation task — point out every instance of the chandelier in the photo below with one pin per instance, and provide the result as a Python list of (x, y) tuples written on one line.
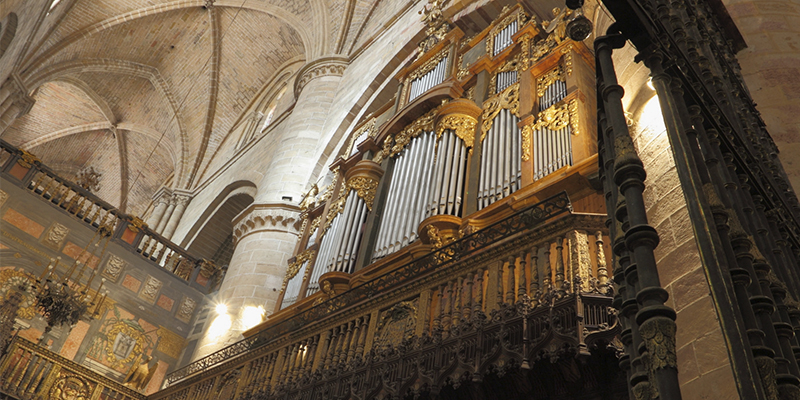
[(64, 299), (89, 179)]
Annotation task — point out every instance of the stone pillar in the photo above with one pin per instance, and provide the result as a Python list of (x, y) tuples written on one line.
[(181, 200), (166, 216), (265, 237), (296, 158), (159, 209), (20, 105)]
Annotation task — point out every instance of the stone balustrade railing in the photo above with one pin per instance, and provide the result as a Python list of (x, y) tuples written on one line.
[(27, 171)]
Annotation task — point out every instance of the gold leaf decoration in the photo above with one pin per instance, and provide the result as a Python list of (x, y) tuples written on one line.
[(573, 116), (365, 189), (549, 78), (507, 99), (553, 118), (526, 133), (462, 125), (402, 139)]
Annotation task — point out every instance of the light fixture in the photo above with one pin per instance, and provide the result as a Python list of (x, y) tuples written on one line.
[(252, 316), (65, 300), (221, 309), (579, 28)]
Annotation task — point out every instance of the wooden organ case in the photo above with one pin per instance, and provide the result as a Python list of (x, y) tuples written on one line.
[(463, 238)]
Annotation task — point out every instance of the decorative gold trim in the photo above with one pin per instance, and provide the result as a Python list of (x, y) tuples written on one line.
[(301, 258), (507, 99), (429, 65), (462, 70), (554, 118), (336, 207), (526, 133), (549, 78), (525, 58), (135, 224), (573, 116), (365, 189), (567, 52), (508, 66), (462, 125), (402, 139), (27, 159), (519, 16)]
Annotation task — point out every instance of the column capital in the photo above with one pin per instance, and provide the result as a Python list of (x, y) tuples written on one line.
[(323, 66), (276, 217)]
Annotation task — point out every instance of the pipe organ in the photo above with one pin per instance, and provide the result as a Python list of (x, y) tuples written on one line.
[(459, 208), (452, 155)]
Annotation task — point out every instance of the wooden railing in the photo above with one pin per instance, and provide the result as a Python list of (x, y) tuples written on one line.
[(130, 232), (532, 286), (28, 372)]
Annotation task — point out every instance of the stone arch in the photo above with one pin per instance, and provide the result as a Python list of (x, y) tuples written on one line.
[(211, 236), (9, 29)]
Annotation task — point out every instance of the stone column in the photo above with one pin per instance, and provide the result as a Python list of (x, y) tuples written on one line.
[(166, 216), (159, 209), (181, 200), (296, 158), (20, 105), (265, 237)]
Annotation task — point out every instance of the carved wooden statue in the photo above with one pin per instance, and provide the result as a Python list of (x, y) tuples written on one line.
[(140, 375)]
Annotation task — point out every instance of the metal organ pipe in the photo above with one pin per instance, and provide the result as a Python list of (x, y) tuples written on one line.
[(429, 80), (552, 149), (500, 161), (293, 287)]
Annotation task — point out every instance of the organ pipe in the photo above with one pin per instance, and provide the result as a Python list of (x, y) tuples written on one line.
[(434, 77), (500, 163), (339, 245), (552, 149)]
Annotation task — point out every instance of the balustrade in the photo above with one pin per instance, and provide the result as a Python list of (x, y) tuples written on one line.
[(28, 372)]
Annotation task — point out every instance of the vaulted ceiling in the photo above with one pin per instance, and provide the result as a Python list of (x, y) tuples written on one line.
[(145, 91)]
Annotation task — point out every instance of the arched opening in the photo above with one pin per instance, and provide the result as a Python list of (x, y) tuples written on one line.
[(215, 240)]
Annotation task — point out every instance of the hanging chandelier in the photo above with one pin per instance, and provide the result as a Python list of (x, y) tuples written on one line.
[(64, 299)]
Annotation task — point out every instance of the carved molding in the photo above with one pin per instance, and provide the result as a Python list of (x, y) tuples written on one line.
[(365, 189), (507, 99), (55, 236), (267, 217), (526, 133), (549, 78), (325, 66), (114, 267), (462, 125)]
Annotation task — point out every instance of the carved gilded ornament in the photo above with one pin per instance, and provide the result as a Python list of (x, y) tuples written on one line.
[(517, 15), (402, 139), (136, 223), (567, 52), (429, 65), (463, 71), (27, 159), (510, 65), (525, 57), (462, 125), (508, 99), (124, 329), (365, 189), (435, 25), (3, 197), (526, 133), (301, 259), (11, 279), (573, 116), (559, 116), (548, 78), (70, 387)]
